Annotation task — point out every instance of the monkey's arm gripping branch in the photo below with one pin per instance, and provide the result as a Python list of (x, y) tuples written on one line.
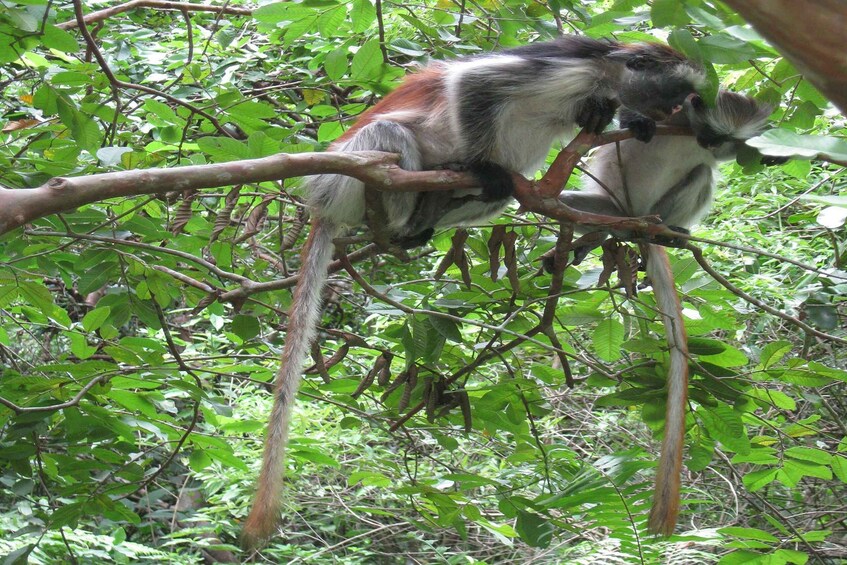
[(542, 197)]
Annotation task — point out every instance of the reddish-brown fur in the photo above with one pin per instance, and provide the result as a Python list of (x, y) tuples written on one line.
[(421, 92)]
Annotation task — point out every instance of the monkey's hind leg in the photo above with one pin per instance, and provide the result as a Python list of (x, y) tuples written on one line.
[(331, 192)]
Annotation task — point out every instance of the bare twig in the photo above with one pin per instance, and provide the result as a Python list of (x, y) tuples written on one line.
[(106, 13)]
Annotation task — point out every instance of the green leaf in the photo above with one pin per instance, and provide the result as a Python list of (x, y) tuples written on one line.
[(79, 345), (335, 64), (773, 352), (246, 327), (38, 295), (774, 397), (447, 328), (226, 457), (723, 49), (274, 13), (684, 42), (329, 23), (363, 15), (59, 39), (607, 339), (757, 480), (19, 556), (749, 533), (807, 469), (668, 13), (533, 529), (839, 467), (367, 61), (786, 143), (809, 454), (162, 111), (315, 456)]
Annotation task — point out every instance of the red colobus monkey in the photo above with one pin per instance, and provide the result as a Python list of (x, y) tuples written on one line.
[(672, 177), (490, 115)]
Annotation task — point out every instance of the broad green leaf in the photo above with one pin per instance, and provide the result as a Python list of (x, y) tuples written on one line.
[(809, 454), (315, 456), (278, 11), (668, 13), (362, 15), (607, 339), (59, 39), (773, 352), (839, 467), (79, 345), (749, 533), (786, 143), (533, 529), (774, 397), (329, 23), (756, 480), (447, 328), (367, 61), (38, 295), (722, 49), (227, 458), (807, 469), (245, 327), (335, 64)]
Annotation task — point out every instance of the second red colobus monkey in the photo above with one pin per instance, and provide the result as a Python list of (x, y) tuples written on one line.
[(490, 115), (672, 177)]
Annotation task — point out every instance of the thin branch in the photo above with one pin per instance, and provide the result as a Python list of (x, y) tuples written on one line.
[(53, 407), (698, 256), (106, 13)]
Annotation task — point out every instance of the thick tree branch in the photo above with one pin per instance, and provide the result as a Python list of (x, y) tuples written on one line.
[(810, 33), (376, 169)]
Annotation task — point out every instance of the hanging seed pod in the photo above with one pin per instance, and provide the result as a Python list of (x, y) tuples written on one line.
[(495, 242), (364, 384), (401, 378), (410, 385), (183, 213), (465, 405), (384, 375)]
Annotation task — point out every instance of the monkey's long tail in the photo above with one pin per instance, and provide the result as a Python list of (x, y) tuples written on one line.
[(665, 509), (303, 318)]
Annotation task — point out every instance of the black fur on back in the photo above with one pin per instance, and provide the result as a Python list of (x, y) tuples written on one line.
[(568, 47)]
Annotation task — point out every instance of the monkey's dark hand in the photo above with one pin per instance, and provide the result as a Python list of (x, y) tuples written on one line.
[(417, 240), (596, 113), (496, 181), (642, 127), (770, 161)]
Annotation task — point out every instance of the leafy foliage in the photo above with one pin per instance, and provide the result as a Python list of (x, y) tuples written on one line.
[(133, 391)]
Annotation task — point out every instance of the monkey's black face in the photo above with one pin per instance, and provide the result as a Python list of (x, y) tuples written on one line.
[(697, 111), (657, 93)]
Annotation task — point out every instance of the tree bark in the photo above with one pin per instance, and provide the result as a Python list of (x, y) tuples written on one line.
[(810, 34)]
